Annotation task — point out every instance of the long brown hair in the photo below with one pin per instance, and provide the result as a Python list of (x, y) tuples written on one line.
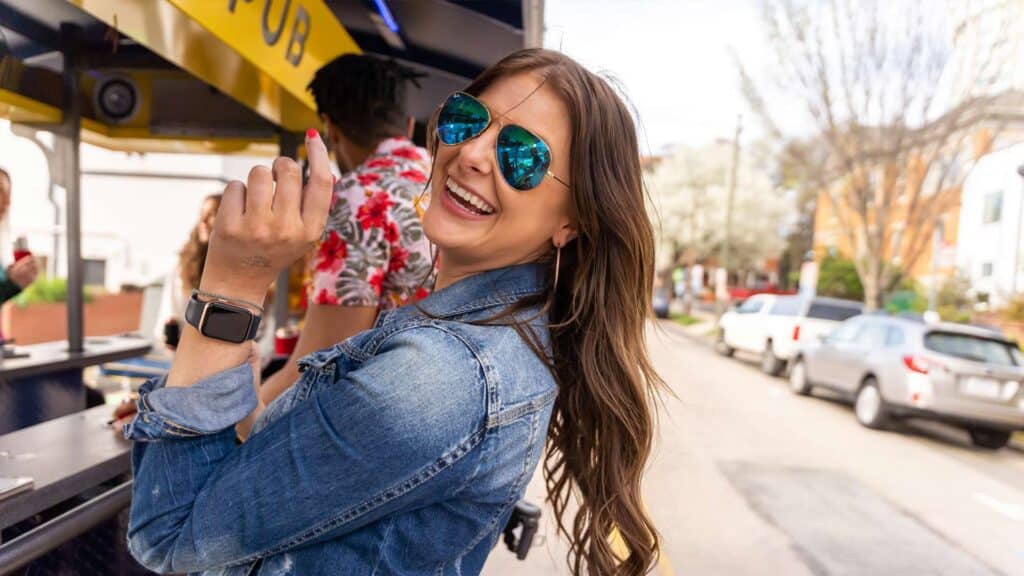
[(192, 257), (602, 427)]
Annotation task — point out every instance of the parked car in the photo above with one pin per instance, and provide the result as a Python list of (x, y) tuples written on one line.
[(660, 302), (738, 293), (773, 326), (896, 367)]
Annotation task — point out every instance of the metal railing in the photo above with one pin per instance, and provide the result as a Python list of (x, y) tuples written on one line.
[(73, 523)]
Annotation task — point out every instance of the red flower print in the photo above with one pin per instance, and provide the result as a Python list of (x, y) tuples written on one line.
[(407, 152), (381, 163), (391, 233), (377, 280), (416, 176), (325, 297), (367, 178), (332, 253), (374, 213), (399, 256), (421, 293)]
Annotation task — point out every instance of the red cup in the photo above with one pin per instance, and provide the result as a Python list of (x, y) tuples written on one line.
[(19, 254), (285, 340)]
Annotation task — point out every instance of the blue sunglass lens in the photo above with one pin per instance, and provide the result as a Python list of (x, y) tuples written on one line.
[(522, 157), (461, 118)]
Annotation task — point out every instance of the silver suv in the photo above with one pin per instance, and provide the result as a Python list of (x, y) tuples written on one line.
[(893, 367)]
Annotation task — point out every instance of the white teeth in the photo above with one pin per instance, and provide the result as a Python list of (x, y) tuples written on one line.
[(469, 197)]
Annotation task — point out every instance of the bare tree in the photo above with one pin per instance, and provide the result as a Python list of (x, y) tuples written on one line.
[(893, 92), (689, 190)]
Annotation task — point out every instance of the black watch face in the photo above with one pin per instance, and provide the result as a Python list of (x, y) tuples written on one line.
[(225, 322)]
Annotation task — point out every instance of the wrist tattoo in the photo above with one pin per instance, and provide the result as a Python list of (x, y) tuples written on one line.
[(257, 262)]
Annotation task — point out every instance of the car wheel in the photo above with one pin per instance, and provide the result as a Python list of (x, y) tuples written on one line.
[(721, 347), (869, 406), (798, 382), (989, 438), (770, 364)]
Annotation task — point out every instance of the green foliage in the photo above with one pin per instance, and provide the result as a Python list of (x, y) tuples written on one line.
[(906, 301), (685, 319), (1015, 311), (46, 289), (952, 301), (838, 278)]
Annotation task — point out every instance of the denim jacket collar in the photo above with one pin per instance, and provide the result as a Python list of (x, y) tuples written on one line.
[(492, 288)]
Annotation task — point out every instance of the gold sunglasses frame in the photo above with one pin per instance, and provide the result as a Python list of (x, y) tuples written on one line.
[(501, 124)]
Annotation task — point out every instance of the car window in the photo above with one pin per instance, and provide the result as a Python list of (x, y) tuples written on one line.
[(846, 332), (895, 337), (751, 306), (872, 335), (971, 347), (786, 306), (829, 311)]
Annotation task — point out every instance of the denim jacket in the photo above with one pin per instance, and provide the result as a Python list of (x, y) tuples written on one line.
[(401, 450)]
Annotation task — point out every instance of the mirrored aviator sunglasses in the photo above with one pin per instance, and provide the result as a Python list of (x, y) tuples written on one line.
[(523, 157)]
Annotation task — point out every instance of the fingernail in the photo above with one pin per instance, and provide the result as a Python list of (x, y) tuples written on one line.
[(311, 133)]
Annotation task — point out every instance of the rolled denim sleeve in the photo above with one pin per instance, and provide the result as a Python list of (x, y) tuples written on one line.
[(209, 406), (399, 432)]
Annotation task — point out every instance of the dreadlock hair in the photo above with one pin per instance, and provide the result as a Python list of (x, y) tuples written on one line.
[(364, 96)]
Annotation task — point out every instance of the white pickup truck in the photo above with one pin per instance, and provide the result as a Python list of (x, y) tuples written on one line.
[(773, 326)]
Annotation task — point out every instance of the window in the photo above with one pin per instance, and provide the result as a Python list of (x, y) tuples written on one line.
[(751, 306), (986, 269), (976, 348), (94, 272), (873, 335), (786, 306), (828, 311), (895, 337), (993, 208), (846, 332)]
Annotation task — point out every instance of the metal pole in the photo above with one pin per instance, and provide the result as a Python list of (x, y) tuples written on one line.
[(70, 144), (1020, 227), (933, 291), (727, 244)]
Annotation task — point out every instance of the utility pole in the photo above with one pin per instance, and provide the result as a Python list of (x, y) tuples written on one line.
[(1020, 225), (727, 244)]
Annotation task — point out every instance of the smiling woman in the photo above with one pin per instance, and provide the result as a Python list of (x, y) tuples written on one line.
[(403, 449)]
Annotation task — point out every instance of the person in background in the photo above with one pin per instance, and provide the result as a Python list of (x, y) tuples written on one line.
[(24, 271), (185, 276), (373, 255)]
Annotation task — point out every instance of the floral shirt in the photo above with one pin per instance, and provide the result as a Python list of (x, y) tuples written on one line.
[(373, 251)]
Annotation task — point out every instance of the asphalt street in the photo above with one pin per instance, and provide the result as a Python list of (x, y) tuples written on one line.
[(750, 479)]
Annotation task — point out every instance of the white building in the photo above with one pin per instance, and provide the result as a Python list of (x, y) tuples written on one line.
[(990, 251), (137, 209)]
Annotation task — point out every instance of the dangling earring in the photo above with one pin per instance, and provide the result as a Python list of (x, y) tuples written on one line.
[(558, 265)]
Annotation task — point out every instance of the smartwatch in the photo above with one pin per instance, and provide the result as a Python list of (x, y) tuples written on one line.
[(222, 320)]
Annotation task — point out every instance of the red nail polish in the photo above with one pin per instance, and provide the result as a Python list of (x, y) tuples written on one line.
[(311, 133)]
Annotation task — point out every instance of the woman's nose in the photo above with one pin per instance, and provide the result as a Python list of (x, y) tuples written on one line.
[(477, 155)]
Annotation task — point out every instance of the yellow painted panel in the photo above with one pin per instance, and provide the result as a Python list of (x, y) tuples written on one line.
[(287, 39), (133, 139), (175, 36), (18, 108)]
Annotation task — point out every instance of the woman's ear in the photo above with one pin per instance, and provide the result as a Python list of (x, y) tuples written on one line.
[(564, 235)]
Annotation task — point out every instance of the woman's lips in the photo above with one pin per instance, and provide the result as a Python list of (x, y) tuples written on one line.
[(453, 206)]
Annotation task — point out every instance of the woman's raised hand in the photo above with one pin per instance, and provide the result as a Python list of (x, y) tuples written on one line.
[(268, 222)]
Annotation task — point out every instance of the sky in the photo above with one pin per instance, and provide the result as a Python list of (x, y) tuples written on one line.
[(672, 56)]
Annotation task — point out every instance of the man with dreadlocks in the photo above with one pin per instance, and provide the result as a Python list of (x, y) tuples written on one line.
[(373, 255)]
